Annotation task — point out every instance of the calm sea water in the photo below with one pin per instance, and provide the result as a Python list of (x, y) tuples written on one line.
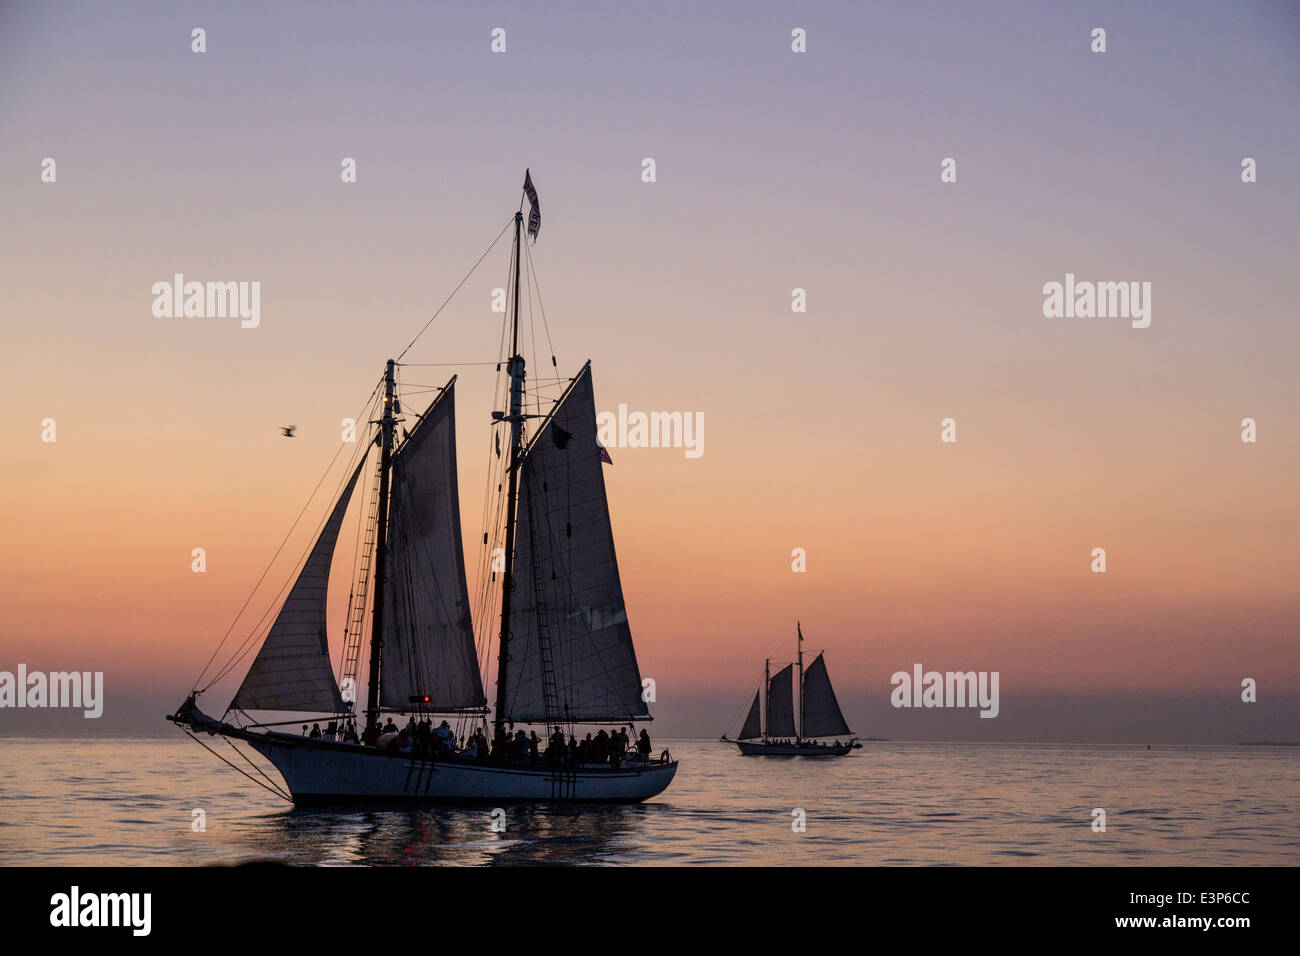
[(114, 801)]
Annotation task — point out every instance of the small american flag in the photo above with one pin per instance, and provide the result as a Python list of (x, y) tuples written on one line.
[(604, 455), (534, 211)]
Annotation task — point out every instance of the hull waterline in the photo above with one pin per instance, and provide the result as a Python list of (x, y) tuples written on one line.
[(757, 748), (316, 773)]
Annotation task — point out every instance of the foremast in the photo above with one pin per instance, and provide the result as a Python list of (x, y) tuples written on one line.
[(767, 695), (515, 368), (803, 716), (386, 424)]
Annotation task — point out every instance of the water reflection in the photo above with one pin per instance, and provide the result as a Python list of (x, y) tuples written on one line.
[(430, 835), (131, 801)]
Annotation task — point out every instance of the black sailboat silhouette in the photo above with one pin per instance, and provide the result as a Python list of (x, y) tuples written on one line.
[(565, 652), (771, 731)]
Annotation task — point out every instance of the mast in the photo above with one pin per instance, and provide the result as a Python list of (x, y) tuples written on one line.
[(801, 704), (515, 367), (767, 695), (381, 554)]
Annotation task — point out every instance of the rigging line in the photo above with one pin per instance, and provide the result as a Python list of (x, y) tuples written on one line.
[(363, 515), (441, 364), (502, 391), (459, 284), (745, 705), (499, 396), (488, 593), (288, 534), (532, 328), (540, 306), (259, 770), (359, 581), (277, 792), (257, 633)]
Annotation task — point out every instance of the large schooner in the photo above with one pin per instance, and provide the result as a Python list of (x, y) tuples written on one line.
[(819, 714), (564, 649)]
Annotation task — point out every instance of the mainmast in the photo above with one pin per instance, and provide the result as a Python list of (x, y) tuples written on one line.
[(801, 706), (381, 554), (515, 367)]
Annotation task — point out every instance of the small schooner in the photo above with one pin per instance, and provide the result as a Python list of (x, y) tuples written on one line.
[(564, 649), (819, 714)]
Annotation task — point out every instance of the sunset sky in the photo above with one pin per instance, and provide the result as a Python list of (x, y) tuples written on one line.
[(775, 170)]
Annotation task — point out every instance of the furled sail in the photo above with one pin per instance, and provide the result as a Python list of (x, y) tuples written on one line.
[(428, 647), (571, 654), (821, 711), (751, 728), (292, 670), (780, 703)]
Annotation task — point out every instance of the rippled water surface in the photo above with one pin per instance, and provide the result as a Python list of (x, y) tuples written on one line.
[(114, 801)]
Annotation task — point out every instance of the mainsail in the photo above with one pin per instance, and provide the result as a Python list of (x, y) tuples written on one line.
[(571, 654), (292, 670), (751, 728), (821, 711), (780, 703), (428, 641)]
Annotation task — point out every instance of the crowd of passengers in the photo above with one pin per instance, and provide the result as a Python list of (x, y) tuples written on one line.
[(613, 747)]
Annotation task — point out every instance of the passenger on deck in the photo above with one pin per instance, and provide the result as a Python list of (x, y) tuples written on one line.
[(585, 750), (643, 745), (389, 728), (600, 748), (618, 742), (519, 752), (315, 730)]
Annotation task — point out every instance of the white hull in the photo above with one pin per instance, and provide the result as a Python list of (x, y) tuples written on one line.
[(320, 772)]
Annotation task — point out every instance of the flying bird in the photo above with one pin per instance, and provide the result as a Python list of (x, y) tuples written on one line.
[(289, 432)]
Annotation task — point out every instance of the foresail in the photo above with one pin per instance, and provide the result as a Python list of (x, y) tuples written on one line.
[(780, 703), (567, 602), (751, 728), (821, 711), (428, 639), (292, 670)]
